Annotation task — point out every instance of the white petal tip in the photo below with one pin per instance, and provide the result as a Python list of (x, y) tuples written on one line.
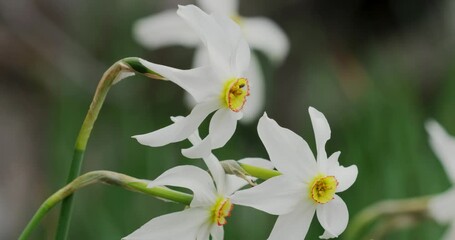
[(313, 110), (431, 125), (356, 169), (337, 153), (184, 8), (176, 118), (201, 150), (141, 139), (138, 138), (327, 235), (264, 117)]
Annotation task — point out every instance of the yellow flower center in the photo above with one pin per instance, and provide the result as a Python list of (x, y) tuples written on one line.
[(323, 188), (237, 19), (221, 210), (235, 92)]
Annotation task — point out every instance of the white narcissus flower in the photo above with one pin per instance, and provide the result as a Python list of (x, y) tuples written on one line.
[(220, 86), (165, 29), (206, 215), (442, 206), (307, 184), (211, 203)]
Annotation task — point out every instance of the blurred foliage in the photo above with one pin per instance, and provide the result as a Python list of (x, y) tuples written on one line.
[(377, 71)]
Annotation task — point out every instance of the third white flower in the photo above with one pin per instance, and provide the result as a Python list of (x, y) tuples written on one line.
[(308, 184)]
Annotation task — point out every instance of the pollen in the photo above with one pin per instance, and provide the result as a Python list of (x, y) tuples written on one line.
[(323, 188), (221, 210), (235, 92)]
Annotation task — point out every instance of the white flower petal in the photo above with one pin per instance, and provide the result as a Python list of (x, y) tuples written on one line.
[(294, 225), (179, 130), (180, 225), (441, 207), (333, 216), (240, 50), (234, 183), (217, 232), (194, 138), (288, 152), (223, 39), (199, 82), (321, 133), (179, 118), (199, 150), (191, 177), (210, 160), (201, 57), (211, 34), (450, 234), (256, 101), (265, 35), (217, 171), (225, 7), (204, 232), (444, 146), (278, 195), (345, 176), (222, 127), (327, 235), (332, 162), (164, 29)]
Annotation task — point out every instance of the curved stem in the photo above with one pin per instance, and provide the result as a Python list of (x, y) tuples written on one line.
[(107, 177), (414, 207), (119, 70)]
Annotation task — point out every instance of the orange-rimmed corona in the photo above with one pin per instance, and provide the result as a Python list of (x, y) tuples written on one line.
[(221, 210), (235, 92), (323, 188)]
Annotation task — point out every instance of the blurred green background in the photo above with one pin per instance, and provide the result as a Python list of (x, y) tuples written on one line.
[(377, 69)]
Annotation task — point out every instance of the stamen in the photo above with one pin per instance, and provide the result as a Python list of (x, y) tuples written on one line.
[(235, 92), (221, 210), (323, 188)]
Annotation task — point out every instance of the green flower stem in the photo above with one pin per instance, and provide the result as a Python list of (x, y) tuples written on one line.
[(107, 177), (109, 78), (261, 173), (415, 208)]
